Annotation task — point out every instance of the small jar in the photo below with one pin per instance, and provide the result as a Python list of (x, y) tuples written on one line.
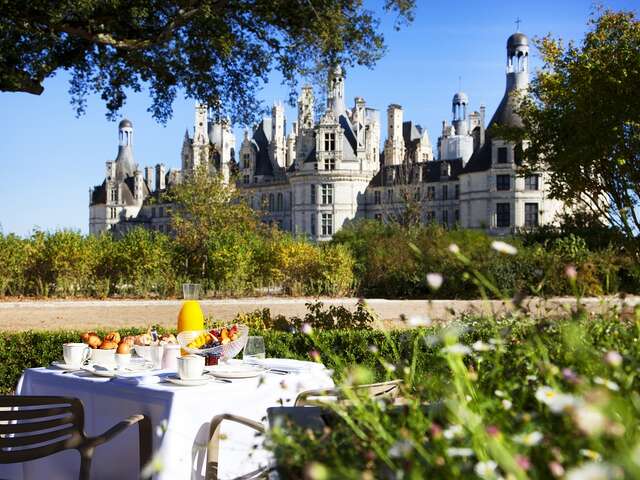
[(211, 359)]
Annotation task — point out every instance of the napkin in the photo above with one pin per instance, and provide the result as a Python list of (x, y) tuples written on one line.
[(288, 364)]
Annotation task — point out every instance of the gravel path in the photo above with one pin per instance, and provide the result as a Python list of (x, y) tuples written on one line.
[(91, 314)]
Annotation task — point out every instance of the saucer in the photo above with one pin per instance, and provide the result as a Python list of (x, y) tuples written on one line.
[(235, 371), (100, 371), (65, 366), (191, 382)]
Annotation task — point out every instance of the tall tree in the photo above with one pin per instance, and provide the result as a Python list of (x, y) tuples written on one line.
[(217, 51), (582, 119)]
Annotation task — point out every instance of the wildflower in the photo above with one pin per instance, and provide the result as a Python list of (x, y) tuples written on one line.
[(556, 401), (457, 349), (400, 449), (569, 375), (373, 349), (436, 430), (613, 386), (570, 272), (531, 378), (556, 469), (485, 469), (528, 439), (506, 404), (434, 280), (590, 454), (459, 452), (593, 471), (315, 355), (453, 431), (499, 393), (503, 247), (481, 346), (307, 329), (316, 471), (492, 431), (589, 420), (523, 462), (613, 358), (419, 321), (455, 249)]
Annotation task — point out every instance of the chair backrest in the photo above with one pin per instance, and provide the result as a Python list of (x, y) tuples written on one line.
[(33, 427), (388, 389)]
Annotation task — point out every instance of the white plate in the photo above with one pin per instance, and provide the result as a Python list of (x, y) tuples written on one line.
[(234, 371), (100, 371), (64, 366), (192, 382)]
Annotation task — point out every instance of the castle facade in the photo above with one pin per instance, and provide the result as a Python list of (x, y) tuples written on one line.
[(328, 171)]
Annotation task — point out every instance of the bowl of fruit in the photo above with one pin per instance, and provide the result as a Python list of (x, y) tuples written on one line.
[(225, 342)]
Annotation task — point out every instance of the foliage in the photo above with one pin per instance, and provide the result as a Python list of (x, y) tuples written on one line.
[(582, 120), (392, 260), (216, 52), (512, 397)]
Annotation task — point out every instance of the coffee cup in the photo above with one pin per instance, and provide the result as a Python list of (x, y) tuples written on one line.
[(123, 359), (190, 367), (75, 354), (106, 358)]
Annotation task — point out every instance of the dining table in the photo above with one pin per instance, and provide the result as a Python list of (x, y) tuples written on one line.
[(180, 416)]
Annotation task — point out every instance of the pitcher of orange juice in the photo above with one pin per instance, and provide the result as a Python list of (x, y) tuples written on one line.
[(190, 316)]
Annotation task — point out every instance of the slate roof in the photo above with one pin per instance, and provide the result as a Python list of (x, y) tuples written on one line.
[(431, 172), (260, 141)]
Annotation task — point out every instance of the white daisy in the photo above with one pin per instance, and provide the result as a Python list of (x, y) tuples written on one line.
[(503, 247)]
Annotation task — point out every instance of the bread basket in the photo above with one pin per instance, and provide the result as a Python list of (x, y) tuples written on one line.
[(226, 351)]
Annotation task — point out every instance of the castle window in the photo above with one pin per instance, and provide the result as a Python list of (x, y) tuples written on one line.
[(416, 194), (445, 192), (271, 202), (530, 215), (431, 216), (503, 215), (389, 196), (313, 224), (330, 142), (377, 197), (517, 154), (112, 212), (456, 193), (431, 193), (503, 182), (114, 194), (327, 193), (457, 216), (329, 163), (327, 224), (445, 218), (532, 182), (502, 154), (263, 201), (161, 211), (313, 194), (246, 179), (280, 202), (153, 211)]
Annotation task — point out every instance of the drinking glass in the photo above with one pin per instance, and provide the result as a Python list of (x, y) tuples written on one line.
[(254, 349), (191, 291)]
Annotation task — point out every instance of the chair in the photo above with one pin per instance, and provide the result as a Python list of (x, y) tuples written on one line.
[(304, 413), (33, 427)]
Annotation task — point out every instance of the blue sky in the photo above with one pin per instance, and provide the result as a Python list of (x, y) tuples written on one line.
[(49, 158)]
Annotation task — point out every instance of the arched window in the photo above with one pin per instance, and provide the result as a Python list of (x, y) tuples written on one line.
[(271, 202), (279, 203)]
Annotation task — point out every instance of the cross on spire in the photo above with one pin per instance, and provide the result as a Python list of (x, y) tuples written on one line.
[(518, 22)]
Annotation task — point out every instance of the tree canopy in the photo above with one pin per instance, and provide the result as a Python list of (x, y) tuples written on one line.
[(216, 51), (582, 119)]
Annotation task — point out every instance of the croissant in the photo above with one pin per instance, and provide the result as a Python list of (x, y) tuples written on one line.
[(113, 337), (108, 345), (129, 340), (92, 339), (124, 347)]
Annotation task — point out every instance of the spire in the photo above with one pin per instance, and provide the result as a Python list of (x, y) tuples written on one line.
[(335, 97), (125, 165)]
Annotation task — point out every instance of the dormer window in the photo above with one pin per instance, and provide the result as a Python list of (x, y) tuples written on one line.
[(330, 142), (502, 154), (114, 195), (329, 163)]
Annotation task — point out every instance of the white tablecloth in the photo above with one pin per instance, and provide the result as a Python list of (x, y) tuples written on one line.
[(180, 417)]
